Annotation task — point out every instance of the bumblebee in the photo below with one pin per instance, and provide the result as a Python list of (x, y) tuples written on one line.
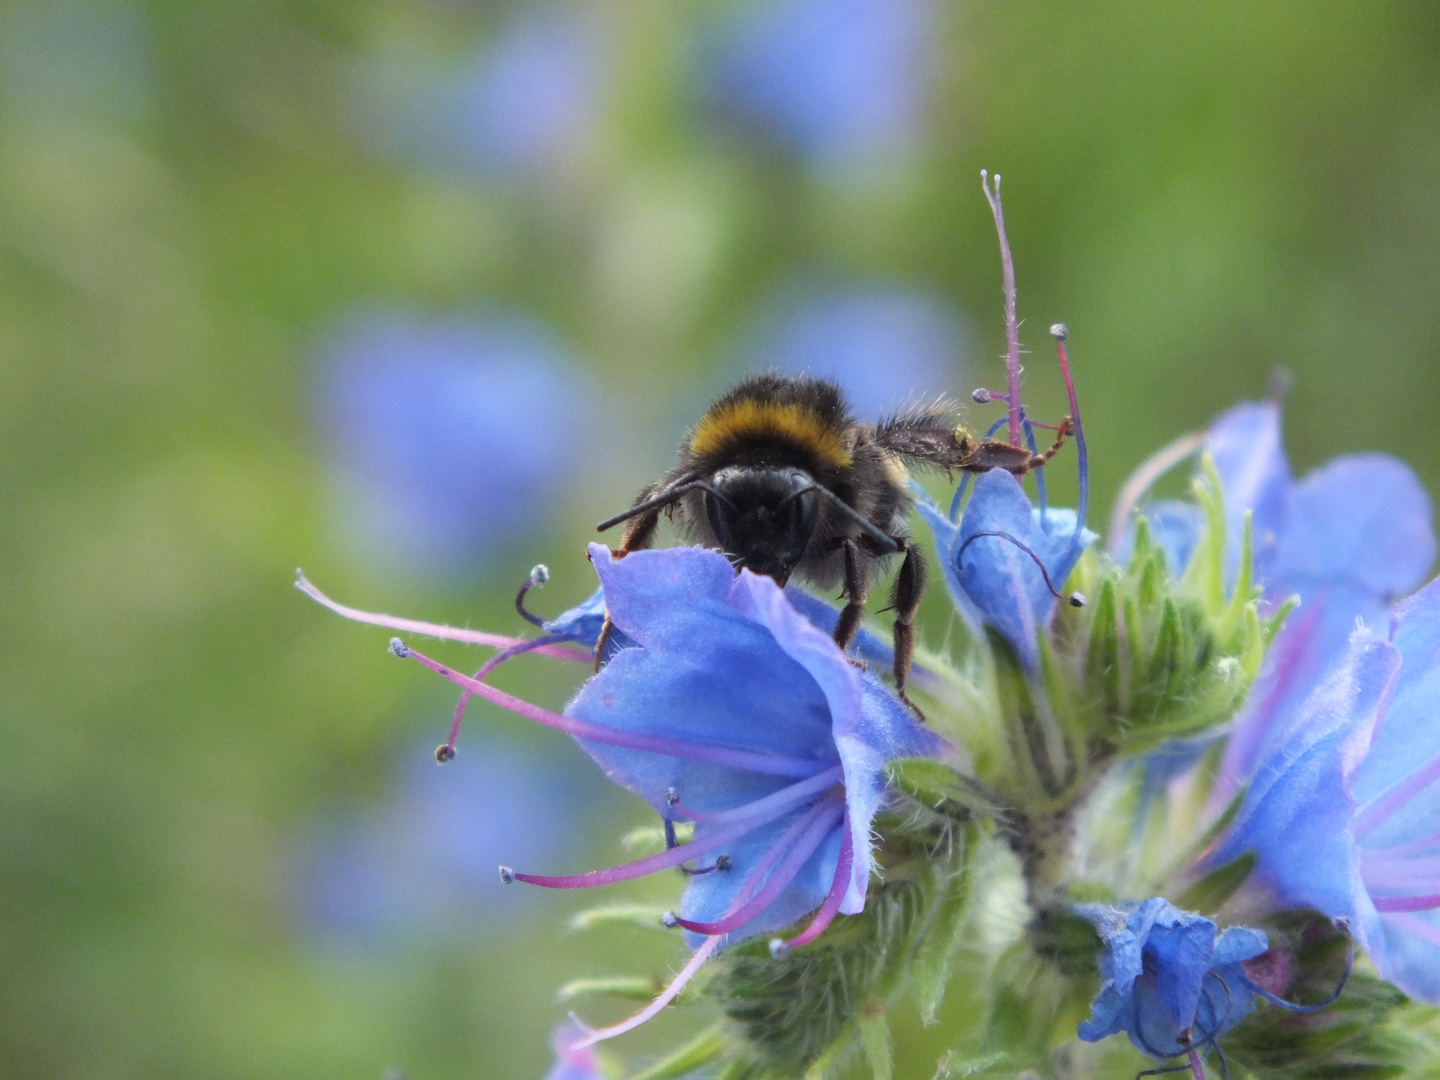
[(779, 475)]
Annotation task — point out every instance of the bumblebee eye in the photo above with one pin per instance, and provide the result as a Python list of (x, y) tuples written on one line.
[(715, 513)]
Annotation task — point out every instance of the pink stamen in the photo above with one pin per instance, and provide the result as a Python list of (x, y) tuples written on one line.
[(1400, 875), (786, 796), (447, 751), (826, 915), (1082, 453), (436, 630), (664, 860), (1400, 851), (669, 994), (814, 827), (1379, 810), (583, 729), (1414, 924), (1012, 324), (1385, 904), (1195, 1066)]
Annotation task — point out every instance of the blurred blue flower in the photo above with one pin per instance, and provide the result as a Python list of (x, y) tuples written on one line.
[(1348, 539), (1170, 979), (424, 861), (452, 437), (883, 344), (842, 82), (520, 108), (1344, 806), (572, 1062), (992, 580)]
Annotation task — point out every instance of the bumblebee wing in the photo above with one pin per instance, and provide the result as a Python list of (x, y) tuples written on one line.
[(925, 433)]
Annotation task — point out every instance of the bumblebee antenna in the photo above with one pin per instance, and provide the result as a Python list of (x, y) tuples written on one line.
[(874, 531), (659, 502), (1074, 599)]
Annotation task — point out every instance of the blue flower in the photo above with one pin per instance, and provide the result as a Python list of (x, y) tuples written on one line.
[(451, 436), (1348, 539), (572, 1061), (1344, 806), (735, 712), (520, 108), (1171, 980), (841, 81), (991, 579), (882, 343)]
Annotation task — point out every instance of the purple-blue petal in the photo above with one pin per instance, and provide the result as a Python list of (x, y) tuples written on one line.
[(1250, 458), (1297, 814), (1001, 581), (1364, 520)]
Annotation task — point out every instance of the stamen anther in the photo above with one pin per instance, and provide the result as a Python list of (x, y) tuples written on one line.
[(980, 395), (539, 575), (1074, 599), (779, 948), (399, 648), (723, 863), (444, 752), (669, 920), (507, 875), (672, 795), (1058, 331), (1078, 599)]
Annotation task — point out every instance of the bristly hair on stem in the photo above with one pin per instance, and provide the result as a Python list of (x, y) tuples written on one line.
[(1012, 324)]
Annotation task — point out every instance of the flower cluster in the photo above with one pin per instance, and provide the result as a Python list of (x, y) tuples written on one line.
[(1190, 794)]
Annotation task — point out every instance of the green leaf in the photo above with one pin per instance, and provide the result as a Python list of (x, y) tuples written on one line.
[(930, 969), (696, 1054)]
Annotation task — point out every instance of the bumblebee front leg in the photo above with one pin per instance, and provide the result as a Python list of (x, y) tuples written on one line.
[(855, 592), (1067, 427), (905, 600)]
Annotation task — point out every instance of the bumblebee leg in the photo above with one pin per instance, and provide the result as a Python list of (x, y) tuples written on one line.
[(639, 532), (1066, 427), (604, 639), (849, 621), (905, 599)]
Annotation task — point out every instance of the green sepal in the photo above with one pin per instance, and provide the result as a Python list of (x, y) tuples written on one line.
[(696, 1054), (1209, 894), (626, 987), (645, 916), (875, 1041), (930, 969), (954, 1067), (938, 787)]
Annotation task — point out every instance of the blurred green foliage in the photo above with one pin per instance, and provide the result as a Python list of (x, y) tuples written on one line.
[(1203, 193)]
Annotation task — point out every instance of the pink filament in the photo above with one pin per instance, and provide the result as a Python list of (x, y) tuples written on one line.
[(1415, 925), (655, 744), (1012, 325), (826, 914), (1400, 851), (1372, 816), (669, 994), (786, 796), (479, 676), (1195, 1066), (651, 863), (815, 826), (413, 626), (1384, 904)]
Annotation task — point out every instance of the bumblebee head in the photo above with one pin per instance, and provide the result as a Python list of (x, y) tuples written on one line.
[(763, 517)]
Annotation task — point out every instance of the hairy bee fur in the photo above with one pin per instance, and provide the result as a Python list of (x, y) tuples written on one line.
[(779, 475)]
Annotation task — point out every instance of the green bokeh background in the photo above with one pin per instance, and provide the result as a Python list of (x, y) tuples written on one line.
[(1203, 192)]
